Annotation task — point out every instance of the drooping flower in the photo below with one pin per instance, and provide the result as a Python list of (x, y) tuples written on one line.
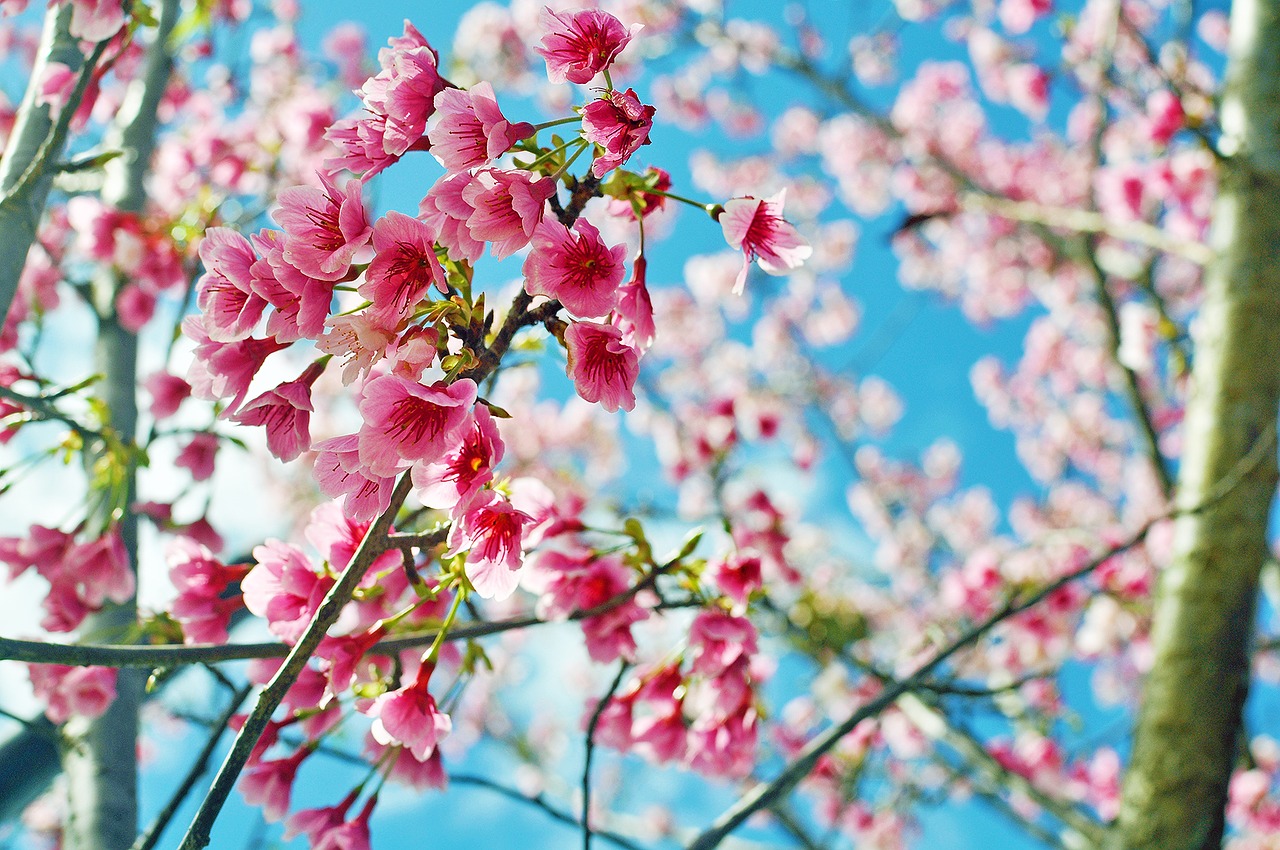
[(284, 589), (66, 691), (340, 473), (491, 529), (285, 413), (755, 227), (446, 211), (634, 313), (506, 207), (471, 130), (410, 92), (324, 228), (202, 605), (579, 45), (224, 296), (619, 123), (574, 266), (405, 422), (409, 716), (197, 456), (603, 368), (301, 302), (403, 268), (461, 473), (270, 784), (224, 370)]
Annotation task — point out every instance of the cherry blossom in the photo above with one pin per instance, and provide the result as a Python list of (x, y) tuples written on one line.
[(575, 267)]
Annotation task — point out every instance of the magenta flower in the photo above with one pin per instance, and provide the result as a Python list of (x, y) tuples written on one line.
[(579, 45), (413, 83), (756, 227), (603, 368), (224, 295), (323, 228), (270, 784), (285, 412), (446, 210), (719, 639), (284, 589), (491, 529), (619, 123), (737, 575), (404, 267), (197, 456), (167, 393), (66, 691), (574, 266), (301, 302), (460, 474), (410, 717), (339, 473), (634, 313), (507, 206), (406, 422), (224, 370), (313, 823), (471, 129), (202, 606), (361, 146)]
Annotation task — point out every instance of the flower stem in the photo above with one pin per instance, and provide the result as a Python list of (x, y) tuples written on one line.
[(537, 128), (559, 173), (434, 651), (680, 198)]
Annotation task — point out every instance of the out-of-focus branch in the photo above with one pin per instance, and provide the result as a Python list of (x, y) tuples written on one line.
[(34, 132)]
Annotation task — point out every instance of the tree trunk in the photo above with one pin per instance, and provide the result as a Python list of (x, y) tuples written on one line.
[(100, 762), (1189, 721)]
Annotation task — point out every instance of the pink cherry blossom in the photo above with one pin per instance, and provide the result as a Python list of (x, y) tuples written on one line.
[(340, 473), (403, 268), (351, 835), (324, 228), (270, 784), (225, 297), (224, 370), (358, 338), (574, 266), (634, 313), (67, 691), (619, 123), (579, 45), (471, 130), (301, 303), (284, 589), (491, 530), (96, 20), (507, 207), (737, 575), (202, 606), (603, 368), (460, 474), (285, 413), (719, 639), (409, 716), (756, 227), (446, 210), (167, 393), (314, 823), (406, 422), (411, 86), (198, 455)]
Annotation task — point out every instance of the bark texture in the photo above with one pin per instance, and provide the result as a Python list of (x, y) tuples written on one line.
[(100, 760), (20, 214), (1188, 725)]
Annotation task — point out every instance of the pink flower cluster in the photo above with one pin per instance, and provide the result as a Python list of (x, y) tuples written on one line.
[(82, 576)]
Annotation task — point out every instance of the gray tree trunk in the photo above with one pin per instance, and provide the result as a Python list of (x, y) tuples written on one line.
[(1188, 725), (100, 762), (20, 218)]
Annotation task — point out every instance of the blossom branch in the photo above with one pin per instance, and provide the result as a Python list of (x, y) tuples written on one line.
[(766, 794), (591, 749), (198, 833)]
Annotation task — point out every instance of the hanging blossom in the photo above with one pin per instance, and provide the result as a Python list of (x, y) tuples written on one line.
[(579, 45), (460, 474), (602, 366), (406, 422), (756, 227), (409, 716), (403, 269)]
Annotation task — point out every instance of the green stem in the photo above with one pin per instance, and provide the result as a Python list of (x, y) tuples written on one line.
[(434, 651), (560, 172), (537, 128), (704, 207)]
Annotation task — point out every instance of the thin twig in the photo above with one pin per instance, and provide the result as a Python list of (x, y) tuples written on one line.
[(539, 802), (591, 749), (148, 839)]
